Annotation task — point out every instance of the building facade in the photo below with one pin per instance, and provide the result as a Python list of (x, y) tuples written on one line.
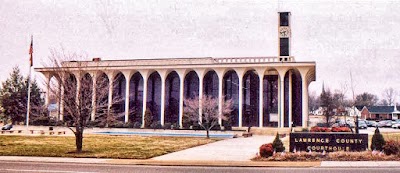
[(266, 91)]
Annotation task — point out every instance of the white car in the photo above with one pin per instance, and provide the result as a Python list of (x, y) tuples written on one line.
[(396, 125)]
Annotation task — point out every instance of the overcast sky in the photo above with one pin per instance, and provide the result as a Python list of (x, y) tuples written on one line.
[(361, 36)]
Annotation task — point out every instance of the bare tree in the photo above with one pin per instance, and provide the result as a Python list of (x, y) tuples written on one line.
[(210, 111), (389, 95), (327, 105), (74, 91), (352, 87), (313, 101)]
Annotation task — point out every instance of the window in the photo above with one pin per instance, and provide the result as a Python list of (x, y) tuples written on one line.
[(284, 47), (284, 19)]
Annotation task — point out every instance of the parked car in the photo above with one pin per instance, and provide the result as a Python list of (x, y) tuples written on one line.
[(7, 127), (396, 124), (341, 123), (385, 123), (371, 123), (362, 125)]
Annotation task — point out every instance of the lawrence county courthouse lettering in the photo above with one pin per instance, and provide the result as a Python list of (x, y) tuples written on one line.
[(266, 91), (328, 142)]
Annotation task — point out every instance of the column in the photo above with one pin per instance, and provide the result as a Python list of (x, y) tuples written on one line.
[(110, 94), (144, 99), (46, 100), (127, 83), (261, 99), (78, 91), (94, 93), (279, 101), (200, 97), (220, 99), (290, 100), (61, 102), (282, 101), (240, 99), (304, 101), (181, 87), (162, 100)]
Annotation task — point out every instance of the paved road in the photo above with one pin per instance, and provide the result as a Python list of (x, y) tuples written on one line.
[(100, 168)]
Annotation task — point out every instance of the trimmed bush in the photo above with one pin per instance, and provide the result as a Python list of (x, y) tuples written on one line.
[(304, 130), (341, 129), (377, 141), (319, 129), (391, 147), (266, 150), (277, 144)]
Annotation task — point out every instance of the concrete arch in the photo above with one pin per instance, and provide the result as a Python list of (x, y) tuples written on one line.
[(172, 98), (250, 98), (231, 87), (210, 83), (154, 96), (191, 84), (136, 88)]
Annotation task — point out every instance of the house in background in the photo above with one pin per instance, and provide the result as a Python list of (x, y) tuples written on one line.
[(379, 112)]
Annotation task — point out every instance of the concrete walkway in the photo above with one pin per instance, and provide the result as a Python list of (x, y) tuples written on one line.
[(235, 149)]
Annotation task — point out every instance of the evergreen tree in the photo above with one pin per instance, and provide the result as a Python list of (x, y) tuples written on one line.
[(327, 104), (377, 141), (277, 144), (14, 95)]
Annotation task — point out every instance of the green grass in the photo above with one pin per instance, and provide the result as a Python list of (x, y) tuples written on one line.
[(96, 146)]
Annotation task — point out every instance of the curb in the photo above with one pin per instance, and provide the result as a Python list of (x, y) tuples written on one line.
[(151, 162), (222, 163)]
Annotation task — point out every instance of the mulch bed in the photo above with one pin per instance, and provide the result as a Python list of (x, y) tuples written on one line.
[(333, 156)]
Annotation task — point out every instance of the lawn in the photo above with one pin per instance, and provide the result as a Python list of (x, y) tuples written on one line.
[(97, 146)]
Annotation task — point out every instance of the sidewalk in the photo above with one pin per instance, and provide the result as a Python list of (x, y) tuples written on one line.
[(235, 149)]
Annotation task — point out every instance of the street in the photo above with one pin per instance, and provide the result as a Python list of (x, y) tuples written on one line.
[(99, 168)]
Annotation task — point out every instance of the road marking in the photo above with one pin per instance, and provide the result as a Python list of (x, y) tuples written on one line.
[(38, 170)]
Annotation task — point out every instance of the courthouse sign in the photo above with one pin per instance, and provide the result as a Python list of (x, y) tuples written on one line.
[(329, 142)]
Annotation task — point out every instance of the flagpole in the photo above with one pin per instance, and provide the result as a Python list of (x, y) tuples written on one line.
[(29, 98), (29, 85)]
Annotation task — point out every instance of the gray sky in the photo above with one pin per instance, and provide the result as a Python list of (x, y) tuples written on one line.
[(340, 36)]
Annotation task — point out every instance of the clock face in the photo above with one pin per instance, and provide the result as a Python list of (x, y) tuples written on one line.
[(284, 32)]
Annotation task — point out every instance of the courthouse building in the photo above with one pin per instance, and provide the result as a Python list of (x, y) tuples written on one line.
[(266, 91)]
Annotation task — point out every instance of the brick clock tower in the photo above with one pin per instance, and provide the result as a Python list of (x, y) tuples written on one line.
[(284, 34)]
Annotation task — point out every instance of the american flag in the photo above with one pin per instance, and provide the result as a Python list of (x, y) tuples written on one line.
[(31, 52)]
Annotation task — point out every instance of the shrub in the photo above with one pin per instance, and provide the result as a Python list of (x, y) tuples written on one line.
[(148, 118), (156, 125), (195, 126), (341, 129), (277, 144), (175, 126), (319, 129), (167, 126), (391, 147), (137, 125), (377, 141), (216, 127), (128, 125), (266, 150)]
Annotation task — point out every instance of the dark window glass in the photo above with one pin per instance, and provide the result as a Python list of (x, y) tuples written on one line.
[(284, 47), (284, 19)]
